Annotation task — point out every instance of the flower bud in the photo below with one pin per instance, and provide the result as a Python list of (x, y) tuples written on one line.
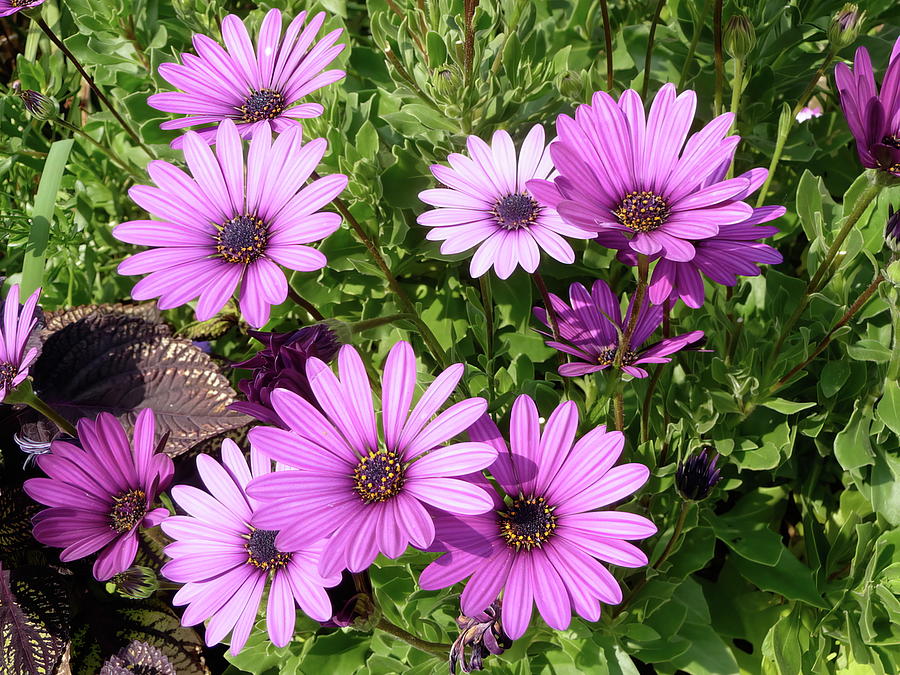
[(892, 230), (38, 106), (570, 85), (845, 25), (739, 37), (137, 583), (697, 475), (447, 81)]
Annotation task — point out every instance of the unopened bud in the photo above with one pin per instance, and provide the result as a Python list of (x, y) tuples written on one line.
[(892, 230), (570, 85), (739, 37), (37, 105), (447, 81), (845, 25)]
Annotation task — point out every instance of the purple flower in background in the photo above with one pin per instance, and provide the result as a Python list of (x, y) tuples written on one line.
[(590, 330), (368, 493), (734, 251), (873, 117), (486, 204), (247, 86), (282, 364), (220, 228), (697, 475), (15, 353), (808, 113), (8, 7), (101, 494), (644, 178), (225, 563), (542, 542), (482, 634)]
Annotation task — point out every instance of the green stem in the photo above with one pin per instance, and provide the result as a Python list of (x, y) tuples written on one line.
[(638, 304), (93, 85), (305, 304), (618, 405), (737, 85), (545, 296), (893, 371), (488, 305), (692, 49), (648, 400), (433, 648), (648, 60), (37, 404), (100, 146), (368, 324), (607, 39), (717, 57)]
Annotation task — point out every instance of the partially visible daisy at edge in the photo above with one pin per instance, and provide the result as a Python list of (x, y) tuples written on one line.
[(589, 329), (16, 356), (234, 222), (485, 204), (250, 86), (8, 7), (226, 564), (543, 542)]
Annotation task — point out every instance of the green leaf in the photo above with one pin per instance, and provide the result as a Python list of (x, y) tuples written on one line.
[(787, 407), (851, 446), (869, 350), (788, 577), (888, 407)]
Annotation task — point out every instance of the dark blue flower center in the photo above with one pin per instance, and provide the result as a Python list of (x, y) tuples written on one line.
[(22, 3), (892, 141), (515, 211), (379, 476), (527, 523), (242, 239), (261, 551), (642, 211), (607, 356), (264, 104), (129, 508), (8, 373)]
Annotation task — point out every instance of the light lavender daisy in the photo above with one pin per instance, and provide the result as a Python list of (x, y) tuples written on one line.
[(233, 223)]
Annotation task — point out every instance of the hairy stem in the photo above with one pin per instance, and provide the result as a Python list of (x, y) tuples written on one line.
[(640, 295)]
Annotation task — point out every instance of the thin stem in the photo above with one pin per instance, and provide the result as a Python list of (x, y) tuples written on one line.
[(487, 303), (649, 58), (388, 52), (851, 311), (368, 324), (469, 39), (107, 151), (305, 304), (607, 39), (433, 648), (717, 54), (93, 85), (648, 400), (431, 341), (816, 283), (638, 304), (737, 85), (40, 406), (692, 49), (619, 405), (545, 296), (811, 86)]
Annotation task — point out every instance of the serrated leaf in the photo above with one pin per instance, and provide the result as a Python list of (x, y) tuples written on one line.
[(121, 363)]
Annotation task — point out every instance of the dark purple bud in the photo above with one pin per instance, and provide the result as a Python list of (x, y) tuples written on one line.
[(845, 25), (37, 105), (892, 230), (282, 364), (697, 475), (483, 635)]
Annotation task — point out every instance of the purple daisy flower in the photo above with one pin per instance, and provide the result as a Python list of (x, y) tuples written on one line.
[(873, 117), (368, 493), (250, 86), (220, 228), (734, 251), (101, 494), (225, 563), (8, 7), (486, 204), (590, 328), (15, 353), (644, 177), (542, 542)]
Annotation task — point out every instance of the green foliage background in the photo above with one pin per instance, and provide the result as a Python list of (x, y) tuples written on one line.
[(792, 566)]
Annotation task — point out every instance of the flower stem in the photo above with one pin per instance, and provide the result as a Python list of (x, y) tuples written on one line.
[(469, 39), (607, 38), (40, 406), (648, 400), (93, 85), (488, 305), (298, 299), (737, 85), (639, 296), (433, 648), (545, 296), (431, 341), (106, 150), (618, 405), (718, 59), (648, 60), (851, 311), (367, 324), (692, 49)]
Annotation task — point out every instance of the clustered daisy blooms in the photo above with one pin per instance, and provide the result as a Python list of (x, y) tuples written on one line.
[(234, 222), (250, 86)]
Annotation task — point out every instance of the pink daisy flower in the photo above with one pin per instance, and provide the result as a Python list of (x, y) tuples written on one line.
[(228, 226), (486, 204), (247, 86), (542, 542), (101, 493), (368, 492), (15, 354)]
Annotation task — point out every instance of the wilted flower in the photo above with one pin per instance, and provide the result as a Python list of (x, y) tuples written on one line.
[(100, 495), (250, 87), (8, 7), (136, 582), (808, 113), (222, 228), (873, 117), (368, 492), (845, 25), (282, 364), (37, 105), (486, 204), (641, 176), (697, 475), (542, 542), (590, 330), (226, 564), (483, 635), (739, 37), (138, 658), (16, 355)]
